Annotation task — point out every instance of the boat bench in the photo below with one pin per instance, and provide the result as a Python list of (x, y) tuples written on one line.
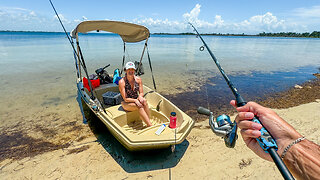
[(115, 111)]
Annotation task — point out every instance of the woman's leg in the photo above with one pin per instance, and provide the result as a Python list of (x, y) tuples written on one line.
[(129, 106), (133, 107), (145, 116), (146, 108)]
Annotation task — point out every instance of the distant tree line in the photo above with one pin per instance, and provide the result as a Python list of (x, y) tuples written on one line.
[(314, 34)]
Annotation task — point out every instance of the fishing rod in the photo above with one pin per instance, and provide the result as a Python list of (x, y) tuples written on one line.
[(266, 141), (81, 60), (74, 50)]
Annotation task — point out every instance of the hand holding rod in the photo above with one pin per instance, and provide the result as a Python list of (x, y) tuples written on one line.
[(266, 141)]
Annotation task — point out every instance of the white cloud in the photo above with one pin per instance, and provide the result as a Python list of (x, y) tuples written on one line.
[(312, 12), (32, 13), (255, 24), (62, 18), (84, 18), (77, 21), (158, 25), (260, 23), (308, 18), (19, 19), (192, 16), (13, 18), (218, 20)]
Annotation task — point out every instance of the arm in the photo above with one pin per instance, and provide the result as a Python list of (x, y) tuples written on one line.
[(139, 81), (302, 159), (140, 97)]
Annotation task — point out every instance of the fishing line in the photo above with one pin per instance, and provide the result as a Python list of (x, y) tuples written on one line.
[(207, 96)]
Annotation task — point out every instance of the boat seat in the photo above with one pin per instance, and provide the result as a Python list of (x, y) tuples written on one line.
[(115, 111)]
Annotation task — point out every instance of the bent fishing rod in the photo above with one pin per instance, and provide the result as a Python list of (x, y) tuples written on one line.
[(266, 141)]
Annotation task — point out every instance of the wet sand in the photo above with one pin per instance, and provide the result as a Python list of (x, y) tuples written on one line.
[(53, 143)]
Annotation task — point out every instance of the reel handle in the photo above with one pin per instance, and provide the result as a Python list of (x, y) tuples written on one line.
[(204, 111)]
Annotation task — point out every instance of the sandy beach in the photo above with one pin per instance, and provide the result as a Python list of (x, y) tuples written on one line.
[(268, 54), (69, 149), (206, 157)]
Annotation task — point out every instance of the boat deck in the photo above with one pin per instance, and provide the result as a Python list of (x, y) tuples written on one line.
[(137, 125), (131, 122)]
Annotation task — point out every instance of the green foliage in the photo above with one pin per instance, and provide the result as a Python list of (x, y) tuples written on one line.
[(314, 34)]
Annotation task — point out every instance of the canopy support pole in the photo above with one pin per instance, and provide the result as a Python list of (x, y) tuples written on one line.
[(124, 57), (154, 83), (144, 48)]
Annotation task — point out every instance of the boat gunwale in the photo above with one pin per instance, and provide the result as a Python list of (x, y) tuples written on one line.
[(131, 144)]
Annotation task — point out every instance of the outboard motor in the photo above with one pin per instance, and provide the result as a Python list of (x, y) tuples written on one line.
[(103, 75)]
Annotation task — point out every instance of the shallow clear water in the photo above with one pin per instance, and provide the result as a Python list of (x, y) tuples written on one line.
[(37, 69)]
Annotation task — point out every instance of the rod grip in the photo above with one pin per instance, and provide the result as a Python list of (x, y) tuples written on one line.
[(266, 141), (204, 111)]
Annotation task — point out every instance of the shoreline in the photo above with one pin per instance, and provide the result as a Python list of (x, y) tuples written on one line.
[(299, 94), (66, 139), (314, 34), (31, 145), (303, 93), (204, 156)]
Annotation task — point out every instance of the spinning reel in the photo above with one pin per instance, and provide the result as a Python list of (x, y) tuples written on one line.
[(222, 127)]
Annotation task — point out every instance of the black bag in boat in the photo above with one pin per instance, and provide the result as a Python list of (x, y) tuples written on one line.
[(112, 98), (105, 78)]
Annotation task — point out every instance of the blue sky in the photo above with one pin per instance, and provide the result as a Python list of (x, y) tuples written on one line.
[(229, 16)]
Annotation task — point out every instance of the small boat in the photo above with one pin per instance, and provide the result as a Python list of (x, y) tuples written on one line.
[(125, 126)]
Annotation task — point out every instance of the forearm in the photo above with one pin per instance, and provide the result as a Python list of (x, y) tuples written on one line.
[(129, 100), (303, 160)]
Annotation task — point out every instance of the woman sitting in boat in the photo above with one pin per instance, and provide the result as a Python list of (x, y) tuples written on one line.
[(131, 90)]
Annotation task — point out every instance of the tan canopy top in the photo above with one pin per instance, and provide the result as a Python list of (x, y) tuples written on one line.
[(129, 32)]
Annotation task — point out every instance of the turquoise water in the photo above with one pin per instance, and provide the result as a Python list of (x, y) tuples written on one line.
[(38, 68), (49, 51)]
